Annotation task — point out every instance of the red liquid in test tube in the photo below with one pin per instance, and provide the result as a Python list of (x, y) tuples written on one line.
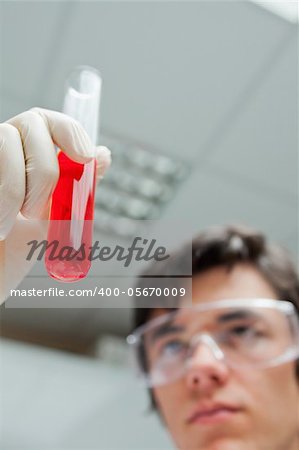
[(72, 207)]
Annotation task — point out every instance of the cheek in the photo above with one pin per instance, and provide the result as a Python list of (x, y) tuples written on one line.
[(272, 392), (285, 387), (170, 399)]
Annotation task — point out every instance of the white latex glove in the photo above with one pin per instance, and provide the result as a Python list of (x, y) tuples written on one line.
[(29, 172)]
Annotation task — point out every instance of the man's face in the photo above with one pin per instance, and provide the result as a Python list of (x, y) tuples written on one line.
[(265, 401)]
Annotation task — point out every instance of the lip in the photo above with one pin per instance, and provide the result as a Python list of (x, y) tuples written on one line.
[(212, 413)]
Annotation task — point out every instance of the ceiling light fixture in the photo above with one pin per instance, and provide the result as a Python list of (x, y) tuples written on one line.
[(286, 9), (137, 187)]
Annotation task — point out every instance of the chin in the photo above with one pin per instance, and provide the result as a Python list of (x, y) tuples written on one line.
[(216, 443)]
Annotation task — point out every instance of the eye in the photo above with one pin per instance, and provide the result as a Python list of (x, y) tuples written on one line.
[(172, 348), (241, 330), (245, 332)]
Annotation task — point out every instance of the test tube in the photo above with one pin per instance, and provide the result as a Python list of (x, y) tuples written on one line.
[(72, 206)]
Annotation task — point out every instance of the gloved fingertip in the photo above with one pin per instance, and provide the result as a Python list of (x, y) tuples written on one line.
[(103, 156), (103, 151)]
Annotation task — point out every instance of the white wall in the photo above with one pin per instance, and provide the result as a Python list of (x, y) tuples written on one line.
[(54, 400)]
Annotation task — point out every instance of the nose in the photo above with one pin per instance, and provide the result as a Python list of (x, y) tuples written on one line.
[(206, 368)]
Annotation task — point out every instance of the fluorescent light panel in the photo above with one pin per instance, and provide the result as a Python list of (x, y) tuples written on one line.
[(288, 10), (138, 186)]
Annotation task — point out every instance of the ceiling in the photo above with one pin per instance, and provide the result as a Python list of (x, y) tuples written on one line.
[(212, 84)]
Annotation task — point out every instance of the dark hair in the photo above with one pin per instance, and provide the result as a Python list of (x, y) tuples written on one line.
[(227, 246)]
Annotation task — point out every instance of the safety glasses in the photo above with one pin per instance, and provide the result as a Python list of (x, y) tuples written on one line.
[(242, 333)]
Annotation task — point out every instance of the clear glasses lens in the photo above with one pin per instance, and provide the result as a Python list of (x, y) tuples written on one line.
[(242, 336)]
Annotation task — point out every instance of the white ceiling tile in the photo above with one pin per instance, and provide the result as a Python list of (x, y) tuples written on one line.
[(30, 35), (171, 70), (11, 106), (261, 145), (206, 200)]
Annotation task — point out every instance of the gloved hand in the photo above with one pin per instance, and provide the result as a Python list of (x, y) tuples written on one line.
[(29, 171)]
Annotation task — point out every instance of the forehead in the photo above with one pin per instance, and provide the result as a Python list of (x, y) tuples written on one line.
[(243, 281)]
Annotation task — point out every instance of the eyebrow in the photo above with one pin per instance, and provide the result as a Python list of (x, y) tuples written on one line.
[(171, 328), (166, 329), (235, 315)]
